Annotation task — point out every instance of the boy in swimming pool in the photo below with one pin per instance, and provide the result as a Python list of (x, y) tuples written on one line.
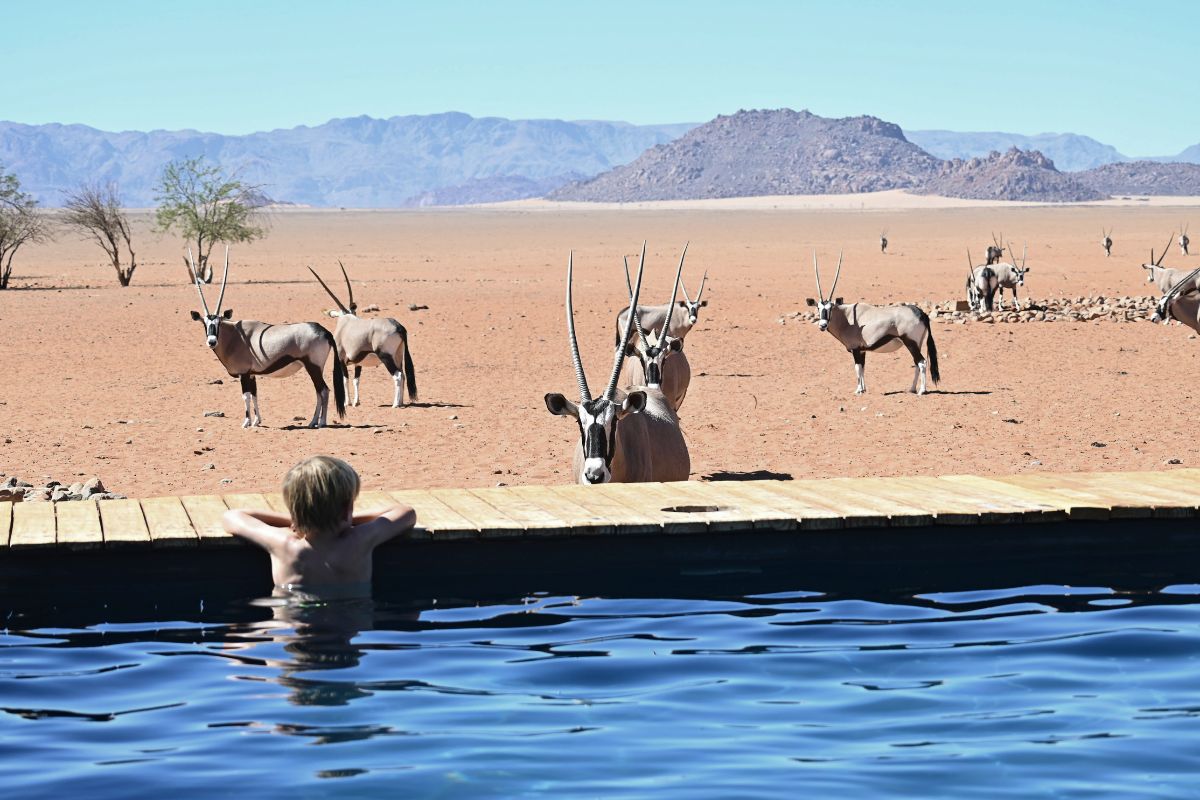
[(321, 542)]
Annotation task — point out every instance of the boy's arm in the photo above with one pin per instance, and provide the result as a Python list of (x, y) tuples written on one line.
[(267, 529), (377, 527)]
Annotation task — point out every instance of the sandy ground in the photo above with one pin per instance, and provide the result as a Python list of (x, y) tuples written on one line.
[(115, 382)]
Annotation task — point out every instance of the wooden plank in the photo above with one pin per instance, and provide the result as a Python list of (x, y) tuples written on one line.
[(945, 511), (1182, 490), (534, 519), (586, 521), (205, 512), (649, 503), (1000, 508), (168, 523), (1054, 507), (851, 507), (901, 513), (276, 504), (958, 505), (807, 515), (626, 520), (1080, 504), (488, 520), (729, 515), (32, 526), (79, 525), (5, 522), (434, 518), (373, 501), (123, 524), (247, 502), (1134, 498)]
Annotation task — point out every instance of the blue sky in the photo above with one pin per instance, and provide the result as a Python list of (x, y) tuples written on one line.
[(1122, 72)]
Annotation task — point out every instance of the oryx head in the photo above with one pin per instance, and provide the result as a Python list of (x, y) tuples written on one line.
[(351, 307), (1021, 270), (211, 319), (1155, 265), (1163, 311), (598, 417), (825, 304), (653, 348), (693, 306)]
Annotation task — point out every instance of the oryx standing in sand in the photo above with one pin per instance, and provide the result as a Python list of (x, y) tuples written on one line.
[(624, 437), (657, 359), (1010, 276), (981, 286), (1106, 241), (382, 340), (995, 250), (653, 316), (247, 349), (883, 241), (861, 327), (1184, 241), (1165, 278), (1182, 302)]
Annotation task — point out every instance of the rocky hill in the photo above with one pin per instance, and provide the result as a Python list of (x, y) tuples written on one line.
[(358, 162), (1014, 175), (766, 153), (1144, 178), (1069, 151)]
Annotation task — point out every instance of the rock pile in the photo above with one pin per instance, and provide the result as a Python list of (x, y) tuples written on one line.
[(15, 490), (1015, 175), (1143, 178), (1056, 309)]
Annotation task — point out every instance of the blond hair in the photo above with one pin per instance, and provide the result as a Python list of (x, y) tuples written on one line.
[(319, 492)]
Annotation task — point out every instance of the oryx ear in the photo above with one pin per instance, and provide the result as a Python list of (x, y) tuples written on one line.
[(676, 345), (630, 349), (228, 313), (634, 403), (809, 301), (704, 304), (196, 316), (560, 406), (1028, 269), (838, 301)]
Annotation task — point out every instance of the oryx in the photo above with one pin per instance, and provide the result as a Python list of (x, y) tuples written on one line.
[(247, 349), (1182, 302), (657, 359), (653, 316), (995, 250), (883, 241), (1165, 278), (1184, 241), (1106, 241), (372, 341), (1010, 276), (981, 286), (631, 436), (861, 327)]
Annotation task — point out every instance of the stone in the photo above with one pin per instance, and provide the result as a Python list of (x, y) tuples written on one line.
[(93, 486), (209, 465), (214, 413)]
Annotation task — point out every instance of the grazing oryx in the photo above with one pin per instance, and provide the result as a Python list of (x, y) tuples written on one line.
[(372, 341), (981, 286), (861, 327), (1164, 278), (657, 358), (883, 241), (1010, 276), (624, 437), (247, 349), (1184, 241), (1182, 302), (1106, 241), (995, 250)]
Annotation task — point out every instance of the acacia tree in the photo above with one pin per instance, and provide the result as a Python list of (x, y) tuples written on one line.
[(21, 222), (95, 212), (207, 206)]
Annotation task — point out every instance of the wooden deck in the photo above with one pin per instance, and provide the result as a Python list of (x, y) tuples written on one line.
[(525, 512)]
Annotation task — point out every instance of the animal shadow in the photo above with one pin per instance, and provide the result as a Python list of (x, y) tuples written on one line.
[(939, 391), (753, 475), (430, 405)]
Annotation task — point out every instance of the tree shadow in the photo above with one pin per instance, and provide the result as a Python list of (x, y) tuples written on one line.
[(753, 475)]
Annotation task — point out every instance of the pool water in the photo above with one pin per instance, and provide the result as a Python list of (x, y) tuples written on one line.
[(714, 687)]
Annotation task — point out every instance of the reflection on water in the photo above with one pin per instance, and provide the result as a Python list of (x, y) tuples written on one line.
[(726, 687)]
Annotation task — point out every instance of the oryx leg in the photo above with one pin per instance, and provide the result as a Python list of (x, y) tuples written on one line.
[(322, 390), (397, 378), (1016, 302), (860, 365), (1000, 299), (918, 384), (250, 395), (357, 376)]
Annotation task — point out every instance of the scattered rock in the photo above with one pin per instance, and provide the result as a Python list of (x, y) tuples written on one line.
[(1099, 444), (1173, 461), (209, 465), (214, 413), (217, 382), (415, 307)]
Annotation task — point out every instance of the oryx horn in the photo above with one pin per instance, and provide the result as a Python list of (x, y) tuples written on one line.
[(224, 280), (637, 318), (1164, 252), (584, 394), (196, 280), (329, 291), (674, 294), (817, 272), (620, 355), (836, 275), (349, 288)]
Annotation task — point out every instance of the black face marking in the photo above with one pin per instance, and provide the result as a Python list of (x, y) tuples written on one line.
[(653, 374), (597, 442)]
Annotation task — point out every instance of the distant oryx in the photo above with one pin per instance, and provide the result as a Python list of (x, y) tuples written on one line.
[(627, 437), (657, 359), (372, 341), (1182, 302), (883, 241), (1106, 241), (995, 250), (861, 327), (1010, 276), (1184, 241), (247, 349), (1164, 278), (981, 286)]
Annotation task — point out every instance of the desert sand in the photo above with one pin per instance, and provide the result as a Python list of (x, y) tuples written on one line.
[(114, 382)]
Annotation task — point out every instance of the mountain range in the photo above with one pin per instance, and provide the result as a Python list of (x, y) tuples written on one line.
[(453, 158)]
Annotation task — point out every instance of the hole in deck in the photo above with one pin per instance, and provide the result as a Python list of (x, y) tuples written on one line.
[(692, 509)]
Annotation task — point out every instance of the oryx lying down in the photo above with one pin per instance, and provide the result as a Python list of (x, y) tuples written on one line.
[(1010, 276), (1165, 278), (1181, 302), (372, 341), (624, 437), (981, 286), (657, 358), (861, 328), (247, 349)]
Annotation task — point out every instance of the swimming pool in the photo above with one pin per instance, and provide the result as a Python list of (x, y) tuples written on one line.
[(758, 682)]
